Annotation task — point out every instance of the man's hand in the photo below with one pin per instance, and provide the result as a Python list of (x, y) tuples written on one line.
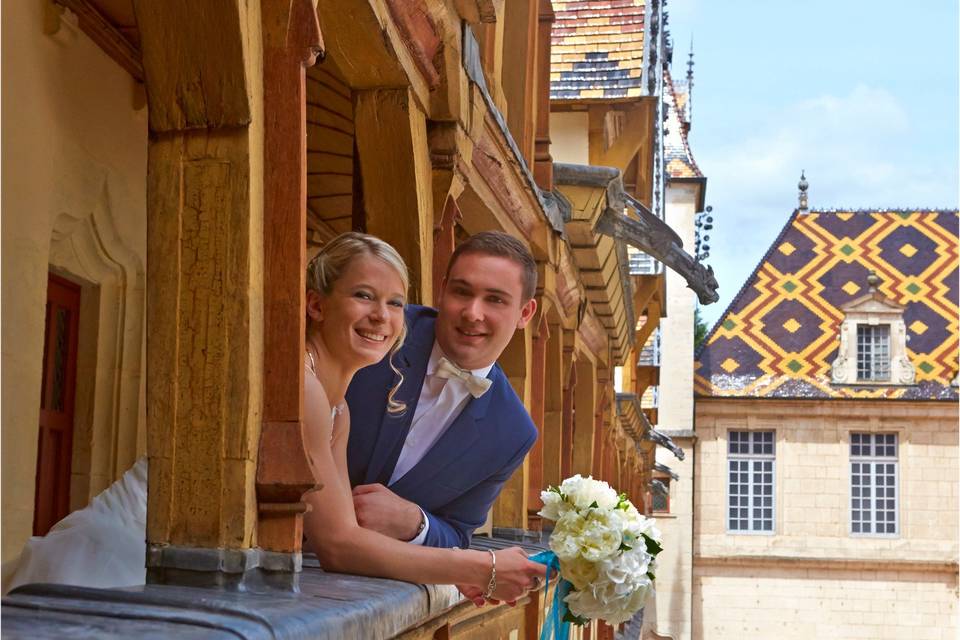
[(383, 511)]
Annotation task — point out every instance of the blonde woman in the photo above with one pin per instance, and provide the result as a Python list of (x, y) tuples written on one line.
[(356, 292)]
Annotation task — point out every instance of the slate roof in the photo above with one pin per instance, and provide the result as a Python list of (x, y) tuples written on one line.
[(779, 336), (677, 156), (597, 49)]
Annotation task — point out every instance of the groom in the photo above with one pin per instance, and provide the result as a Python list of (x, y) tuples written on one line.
[(430, 474)]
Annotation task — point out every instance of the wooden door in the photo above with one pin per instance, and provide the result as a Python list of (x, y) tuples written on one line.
[(57, 395)]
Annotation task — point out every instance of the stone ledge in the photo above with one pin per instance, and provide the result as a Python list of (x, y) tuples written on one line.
[(842, 564), (329, 606)]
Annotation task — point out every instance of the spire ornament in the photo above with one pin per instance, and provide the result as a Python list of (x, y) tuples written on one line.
[(803, 185)]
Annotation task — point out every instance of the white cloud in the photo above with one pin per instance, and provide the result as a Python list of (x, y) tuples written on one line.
[(857, 151)]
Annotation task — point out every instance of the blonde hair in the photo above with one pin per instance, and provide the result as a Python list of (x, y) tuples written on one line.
[(330, 263)]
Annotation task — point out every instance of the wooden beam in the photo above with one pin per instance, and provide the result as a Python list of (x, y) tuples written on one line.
[(538, 375), (584, 423), (510, 508), (204, 272), (396, 173), (107, 36), (291, 42), (542, 160)]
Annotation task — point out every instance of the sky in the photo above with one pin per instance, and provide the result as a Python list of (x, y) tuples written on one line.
[(863, 96)]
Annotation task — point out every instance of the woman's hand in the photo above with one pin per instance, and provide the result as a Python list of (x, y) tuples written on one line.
[(516, 574)]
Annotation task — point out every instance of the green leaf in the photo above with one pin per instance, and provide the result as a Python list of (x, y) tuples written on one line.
[(594, 505), (624, 547), (653, 547), (651, 576), (577, 620)]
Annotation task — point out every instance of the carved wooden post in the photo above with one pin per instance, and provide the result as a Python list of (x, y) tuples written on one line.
[(584, 418), (538, 376), (542, 160), (553, 410), (204, 287), (447, 187), (570, 365), (291, 42), (510, 508)]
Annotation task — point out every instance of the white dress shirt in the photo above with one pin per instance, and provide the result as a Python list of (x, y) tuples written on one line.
[(441, 401)]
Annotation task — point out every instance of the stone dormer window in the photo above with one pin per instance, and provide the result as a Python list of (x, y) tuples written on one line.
[(873, 342)]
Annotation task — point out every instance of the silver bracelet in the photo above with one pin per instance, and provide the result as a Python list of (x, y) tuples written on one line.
[(492, 585)]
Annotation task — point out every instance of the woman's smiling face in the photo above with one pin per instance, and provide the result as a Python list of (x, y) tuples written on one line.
[(362, 316)]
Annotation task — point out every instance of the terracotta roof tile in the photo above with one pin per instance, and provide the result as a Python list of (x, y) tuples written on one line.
[(676, 149), (597, 49)]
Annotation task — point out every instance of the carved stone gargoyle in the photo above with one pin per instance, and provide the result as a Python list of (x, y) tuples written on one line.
[(652, 235)]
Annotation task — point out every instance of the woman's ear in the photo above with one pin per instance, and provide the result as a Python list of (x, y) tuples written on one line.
[(314, 305)]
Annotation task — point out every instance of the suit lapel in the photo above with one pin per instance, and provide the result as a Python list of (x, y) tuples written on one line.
[(453, 447), (412, 362)]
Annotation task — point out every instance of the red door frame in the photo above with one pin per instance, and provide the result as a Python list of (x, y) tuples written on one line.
[(57, 403)]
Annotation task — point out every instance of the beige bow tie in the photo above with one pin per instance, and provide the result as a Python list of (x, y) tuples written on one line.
[(476, 385)]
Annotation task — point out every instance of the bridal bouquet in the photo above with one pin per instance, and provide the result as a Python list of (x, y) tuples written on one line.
[(604, 549)]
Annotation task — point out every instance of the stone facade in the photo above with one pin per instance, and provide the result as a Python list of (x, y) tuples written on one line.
[(810, 577)]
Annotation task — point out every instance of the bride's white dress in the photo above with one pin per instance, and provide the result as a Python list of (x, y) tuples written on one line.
[(102, 545)]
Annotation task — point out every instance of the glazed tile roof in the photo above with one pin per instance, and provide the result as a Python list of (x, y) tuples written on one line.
[(677, 156), (779, 336), (597, 49)]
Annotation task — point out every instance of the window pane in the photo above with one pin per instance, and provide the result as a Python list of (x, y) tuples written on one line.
[(873, 483)]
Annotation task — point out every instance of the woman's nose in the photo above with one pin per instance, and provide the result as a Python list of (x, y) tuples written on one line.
[(379, 312)]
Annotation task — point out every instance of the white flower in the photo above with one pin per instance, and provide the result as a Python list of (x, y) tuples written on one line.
[(619, 591), (553, 505), (585, 492)]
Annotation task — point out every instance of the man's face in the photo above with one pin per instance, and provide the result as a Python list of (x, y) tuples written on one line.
[(480, 306)]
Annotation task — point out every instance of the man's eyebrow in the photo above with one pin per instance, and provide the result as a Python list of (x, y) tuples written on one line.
[(499, 292)]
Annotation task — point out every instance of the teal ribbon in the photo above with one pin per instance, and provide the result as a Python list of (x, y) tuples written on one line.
[(554, 625)]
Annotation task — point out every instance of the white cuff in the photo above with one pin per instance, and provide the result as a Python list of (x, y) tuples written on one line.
[(422, 536)]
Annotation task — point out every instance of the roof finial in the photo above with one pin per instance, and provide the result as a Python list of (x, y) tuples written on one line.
[(803, 185), (873, 280), (687, 117)]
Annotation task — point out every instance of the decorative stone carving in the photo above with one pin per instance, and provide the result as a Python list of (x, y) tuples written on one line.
[(873, 309)]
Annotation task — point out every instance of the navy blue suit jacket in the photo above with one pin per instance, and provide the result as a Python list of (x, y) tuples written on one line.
[(460, 476)]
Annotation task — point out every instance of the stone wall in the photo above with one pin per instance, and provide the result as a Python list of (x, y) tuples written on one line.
[(811, 576), (74, 161)]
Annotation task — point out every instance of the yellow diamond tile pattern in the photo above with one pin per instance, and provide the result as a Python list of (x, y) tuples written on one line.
[(851, 288), (791, 325), (766, 338), (918, 327), (908, 250)]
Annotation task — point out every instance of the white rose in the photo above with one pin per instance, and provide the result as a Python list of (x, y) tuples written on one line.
[(619, 591), (553, 505), (571, 485), (589, 492), (565, 540), (601, 535)]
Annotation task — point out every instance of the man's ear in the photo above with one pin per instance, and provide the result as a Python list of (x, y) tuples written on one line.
[(526, 313), (314, 305)]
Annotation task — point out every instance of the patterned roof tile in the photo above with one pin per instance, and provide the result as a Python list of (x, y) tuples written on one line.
[(597, 49), (677, 155), (778, 338)]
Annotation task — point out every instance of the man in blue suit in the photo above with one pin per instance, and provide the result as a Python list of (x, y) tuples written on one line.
[(430, 474)]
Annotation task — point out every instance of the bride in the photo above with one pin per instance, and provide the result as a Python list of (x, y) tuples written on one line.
[(356, 290)]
